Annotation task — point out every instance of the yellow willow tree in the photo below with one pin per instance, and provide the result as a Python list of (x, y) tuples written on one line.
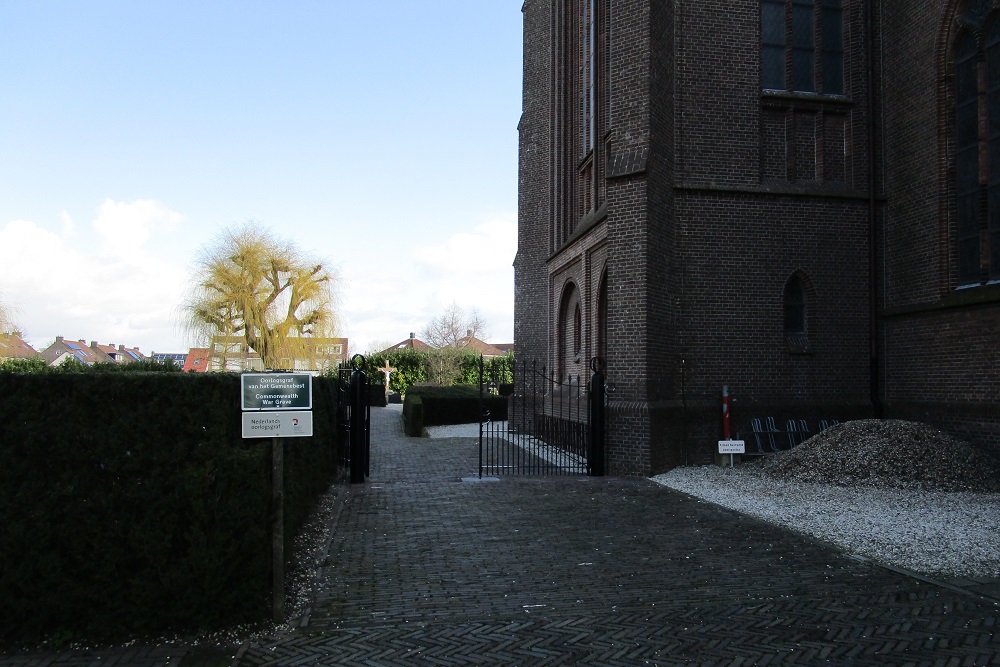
[(263, 292)]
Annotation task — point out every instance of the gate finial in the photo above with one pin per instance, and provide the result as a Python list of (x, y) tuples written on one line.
[(358, 362), (598, 365)]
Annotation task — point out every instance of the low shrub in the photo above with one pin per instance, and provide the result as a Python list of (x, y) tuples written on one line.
[(413, 415), (376, 395), (459, 404)]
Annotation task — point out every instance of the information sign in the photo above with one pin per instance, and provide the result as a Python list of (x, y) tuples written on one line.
[(732, 447), (277, 424), (276, 391)]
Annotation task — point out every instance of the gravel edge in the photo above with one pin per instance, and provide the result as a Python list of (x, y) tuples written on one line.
[(938, 534)]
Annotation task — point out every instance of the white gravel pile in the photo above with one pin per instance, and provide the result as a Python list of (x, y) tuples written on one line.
[(886, 453), (890, 517)]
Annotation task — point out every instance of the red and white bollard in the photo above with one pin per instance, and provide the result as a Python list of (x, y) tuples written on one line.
[(726, 413)]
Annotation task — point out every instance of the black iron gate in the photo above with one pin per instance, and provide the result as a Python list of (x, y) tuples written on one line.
[(551, 426), (354, 420)]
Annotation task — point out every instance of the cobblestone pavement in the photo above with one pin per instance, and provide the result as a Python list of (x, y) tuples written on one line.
[(424, 568), (427, 569)]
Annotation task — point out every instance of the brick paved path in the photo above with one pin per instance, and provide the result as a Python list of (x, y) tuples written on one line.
[(425, 569)]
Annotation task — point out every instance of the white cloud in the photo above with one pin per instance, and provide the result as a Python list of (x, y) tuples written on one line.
[(124, 227), (123, 294), (69, 225), (489, 248)]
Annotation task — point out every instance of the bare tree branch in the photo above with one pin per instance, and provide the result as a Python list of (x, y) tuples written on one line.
[(454, 327)]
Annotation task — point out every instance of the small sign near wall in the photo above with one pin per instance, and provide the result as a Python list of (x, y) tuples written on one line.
[(298, 424), (732, 447)]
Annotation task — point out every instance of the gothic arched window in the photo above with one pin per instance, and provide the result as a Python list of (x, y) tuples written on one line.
[(795, 307), (570, 330), (976, 52)]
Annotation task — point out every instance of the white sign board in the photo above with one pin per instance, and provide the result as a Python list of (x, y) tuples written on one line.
[(732, 447), (277, 424), (276, 391)]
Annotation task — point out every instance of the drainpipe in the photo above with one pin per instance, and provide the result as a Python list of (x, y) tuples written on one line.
[(684, 413), (873, 245)]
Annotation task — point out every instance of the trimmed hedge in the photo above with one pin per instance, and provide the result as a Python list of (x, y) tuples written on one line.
[(376, 395), (452, 405), (413, 416), (130, 503)]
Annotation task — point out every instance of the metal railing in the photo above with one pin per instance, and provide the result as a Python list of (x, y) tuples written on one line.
[(552, 427)]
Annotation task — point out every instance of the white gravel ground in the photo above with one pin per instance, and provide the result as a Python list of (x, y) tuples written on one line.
[(930, 532), (454, 431)]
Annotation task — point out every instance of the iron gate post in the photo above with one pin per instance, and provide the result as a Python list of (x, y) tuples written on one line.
[(595, 457), (344, 419), (359, 420), (482, 415)]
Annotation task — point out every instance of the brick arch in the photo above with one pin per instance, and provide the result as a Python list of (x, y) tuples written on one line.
[(569, 328)]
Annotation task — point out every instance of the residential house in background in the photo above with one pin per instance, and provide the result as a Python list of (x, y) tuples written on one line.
[(231, 353), (62, 350), (468, 341), (471, 343), (504, 347), (411, 343), (13, 346), (179, 358), (196, 360), (120, 354)]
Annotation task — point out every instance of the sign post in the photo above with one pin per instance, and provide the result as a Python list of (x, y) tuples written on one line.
[(287, 400), (277, 530)]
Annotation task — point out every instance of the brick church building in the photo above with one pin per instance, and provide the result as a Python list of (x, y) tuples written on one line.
[(798, 199)]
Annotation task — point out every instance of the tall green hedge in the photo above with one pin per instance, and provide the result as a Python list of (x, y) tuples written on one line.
[(131, 504), (412, 368)]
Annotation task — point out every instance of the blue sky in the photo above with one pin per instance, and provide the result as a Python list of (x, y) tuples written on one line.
[(379, 136)]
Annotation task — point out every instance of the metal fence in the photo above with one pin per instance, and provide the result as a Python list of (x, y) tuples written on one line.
[(354, 419), (553, 426)]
